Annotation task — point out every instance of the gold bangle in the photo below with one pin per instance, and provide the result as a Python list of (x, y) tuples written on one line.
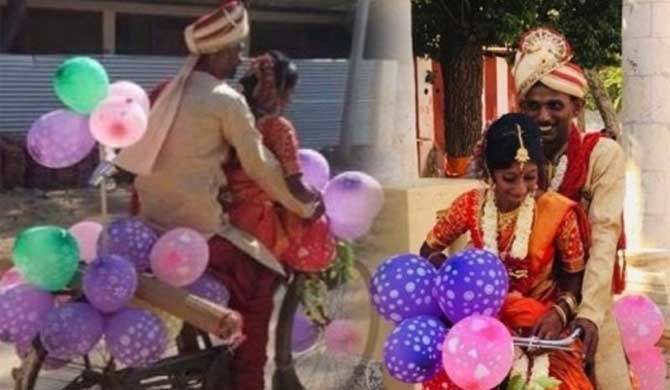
[(561, 313), (569, 300)]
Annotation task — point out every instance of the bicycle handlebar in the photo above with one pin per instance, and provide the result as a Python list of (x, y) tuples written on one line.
[(560, 344)]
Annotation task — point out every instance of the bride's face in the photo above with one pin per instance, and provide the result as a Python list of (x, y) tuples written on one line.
[(514, 183)]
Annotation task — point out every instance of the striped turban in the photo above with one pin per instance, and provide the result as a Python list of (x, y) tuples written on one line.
[(219, 29), (544, 56)]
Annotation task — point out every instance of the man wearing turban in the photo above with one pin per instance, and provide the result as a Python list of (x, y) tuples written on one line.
[(589, 169), (194, 126)]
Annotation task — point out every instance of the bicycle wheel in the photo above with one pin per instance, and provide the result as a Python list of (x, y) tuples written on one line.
[(318, 367), (189, 363)]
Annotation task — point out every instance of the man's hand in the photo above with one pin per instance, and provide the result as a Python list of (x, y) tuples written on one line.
[(550, 326), (589, 338)]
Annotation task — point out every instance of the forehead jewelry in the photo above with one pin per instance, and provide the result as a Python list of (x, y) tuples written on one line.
[(522, 156)]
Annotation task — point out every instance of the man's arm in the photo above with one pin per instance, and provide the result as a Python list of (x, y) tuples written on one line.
[(607, 188), (257, 161)]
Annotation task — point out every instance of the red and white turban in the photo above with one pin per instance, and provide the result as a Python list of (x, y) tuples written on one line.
[(219, 29), (544, 56)]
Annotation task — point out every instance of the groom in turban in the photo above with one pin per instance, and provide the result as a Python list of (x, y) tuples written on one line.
[(195, 124), (589, 169)]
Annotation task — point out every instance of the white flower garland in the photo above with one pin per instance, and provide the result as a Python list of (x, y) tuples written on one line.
[(539, 374), (559, 174), (521, 230)]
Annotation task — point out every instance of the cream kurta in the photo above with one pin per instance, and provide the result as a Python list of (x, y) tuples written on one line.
[(603, 198), (183, 186)]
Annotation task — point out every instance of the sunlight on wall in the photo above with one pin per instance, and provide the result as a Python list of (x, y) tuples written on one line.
[(633, 207)]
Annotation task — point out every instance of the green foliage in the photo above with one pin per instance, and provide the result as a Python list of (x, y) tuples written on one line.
[(612, 78), (542, 383), (593, 27)]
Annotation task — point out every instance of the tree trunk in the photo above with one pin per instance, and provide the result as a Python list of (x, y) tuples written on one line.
[(463, 82), (603, 102), (16, 12)]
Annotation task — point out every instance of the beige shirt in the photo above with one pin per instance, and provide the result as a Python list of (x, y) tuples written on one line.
[(183, 187)]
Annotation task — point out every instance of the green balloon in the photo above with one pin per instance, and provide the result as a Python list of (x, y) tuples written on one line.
[(48, 256), (81, 83)]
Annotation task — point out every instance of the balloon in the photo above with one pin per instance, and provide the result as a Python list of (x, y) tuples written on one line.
[(473, 281), (342, 337), (172, 323), (12, 277), (349, 231), (109, 283), (81, 83), (135, 337), (314, 167), (353, 197), (208, 287), (649, 366), (59, 139), (132, 91), (118, 122), (23, 310), (87, 233), (314, 251), (304, 333), (640, 322), (180, 257), (402, 286), (412, 350), (47, 256), (478, 353), (130, 238), (71, 330)]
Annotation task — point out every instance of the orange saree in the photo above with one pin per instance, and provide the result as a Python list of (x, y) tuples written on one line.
[(557, 241)]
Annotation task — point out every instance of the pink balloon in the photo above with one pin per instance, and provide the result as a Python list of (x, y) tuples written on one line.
[(87, 233), (353, 197), (650, 368), (478, 353), (342, 337), (640, 322), (314, 167), (10, 278), (179, 257), (132, 91), (118, 122)]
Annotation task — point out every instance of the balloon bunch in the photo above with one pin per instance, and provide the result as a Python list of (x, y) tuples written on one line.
[(465, 295), (46, 264), (641, 325), (115, 115)]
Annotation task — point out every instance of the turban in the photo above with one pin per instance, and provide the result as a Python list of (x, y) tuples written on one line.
[(212, 33), (544, 56)]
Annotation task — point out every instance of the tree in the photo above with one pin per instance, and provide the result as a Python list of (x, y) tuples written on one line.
[(455, 31)]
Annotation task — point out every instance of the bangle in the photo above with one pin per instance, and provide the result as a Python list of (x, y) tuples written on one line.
[(570, 300), (561, 313)]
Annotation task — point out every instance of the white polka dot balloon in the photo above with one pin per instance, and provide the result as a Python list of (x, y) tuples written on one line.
[(135, 337), (473, 281), (402, 288), (412, 352)]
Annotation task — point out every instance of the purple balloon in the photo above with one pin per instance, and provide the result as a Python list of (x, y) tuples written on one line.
[(353, 197), (110, 283), (135, 337), (71, 330), (304, 333), (60, 139), (314, 167), (473, 281), (130, 238), (208, 287), (23, 310), (349, 231), (402, 288), (413, 351)]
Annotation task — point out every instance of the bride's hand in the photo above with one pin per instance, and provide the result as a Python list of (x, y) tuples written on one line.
[(550, 326)]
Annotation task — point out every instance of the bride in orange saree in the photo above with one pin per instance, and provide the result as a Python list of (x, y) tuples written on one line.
[(542, 239)]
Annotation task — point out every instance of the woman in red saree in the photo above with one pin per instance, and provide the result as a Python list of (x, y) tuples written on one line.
[(541, 240), (299, 244)]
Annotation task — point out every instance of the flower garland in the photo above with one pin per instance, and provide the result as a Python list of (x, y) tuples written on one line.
[(521, 231), (559, 174), (537, 379)]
